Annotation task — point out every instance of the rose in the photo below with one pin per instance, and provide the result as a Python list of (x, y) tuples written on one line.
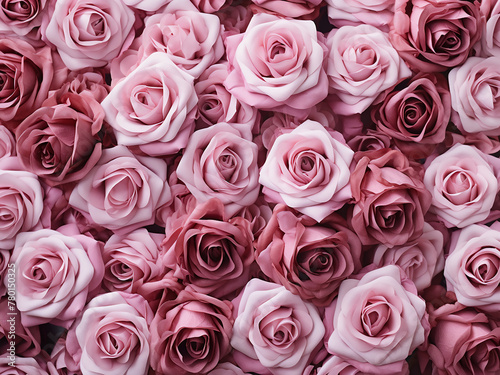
[(55, 272), (308, 169), (23, 366), (377, 13), (489, 42), (122, 191), (90, 82), (361, 64), (474, 86), (299, 8), (226, 368), (390, 199), (7, 143), (463, 183), (153, 107), (190, 38), (90, 33), (21, 16), (309, 259), (211, 6), (277, 64), (415, 114), (274, 332), (211, 254), (221, 162), (378, 320), (472, 269), (190, 334), (60, 142), (435, 35)]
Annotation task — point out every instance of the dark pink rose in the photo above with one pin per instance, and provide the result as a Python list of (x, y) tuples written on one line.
[(21, 17), (234, 19), (309, 259), (378, 13), (277, 64), (190, 335), (7, 143), (89, 81), (292, 9), (435, 35), (90, 33), (275, 332), (390, 199)]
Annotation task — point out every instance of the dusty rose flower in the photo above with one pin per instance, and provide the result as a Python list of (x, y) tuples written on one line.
[(23, 366), (21, 17)]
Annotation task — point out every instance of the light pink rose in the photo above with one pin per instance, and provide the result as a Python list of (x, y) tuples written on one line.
[(308, 169), (293, 9), (463, 183), (122, 191), (90, 33), (275, 331), (45, 293), (7, 143), (153, 108), (361, 64), (191, 39), (221, 162), (379, 320), (378, 13), (277, 64)]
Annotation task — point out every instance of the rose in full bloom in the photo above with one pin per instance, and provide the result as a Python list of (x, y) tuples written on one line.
[(463, 183), (378, 320), (153, 108), (308, 169), (21, 17), (275, 332), (122, 191), (190, 335), (55, 272), (378, 13), (277, 64), (435, 35), (309, 259), (361, 64), (390, 199), (90, 33), (221, 162)]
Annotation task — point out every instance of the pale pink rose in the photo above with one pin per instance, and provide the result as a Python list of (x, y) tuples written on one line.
[(335, 365), (44, 293), (7, 143), (463, 183), (275, 331), (379, 320), (489, 42), (361, 64), (90, 33), (153, 107), (370, 141), (123, 191), (191, 39), (220, 162), (378, 13), (21, 17), (277, 64), (308, 169), (292, 9)]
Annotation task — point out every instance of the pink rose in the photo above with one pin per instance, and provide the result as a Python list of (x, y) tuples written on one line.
[(463, 183), (435, 35), (308, 169), (361, 64), (292, 9), (153, 107), (378, 13), (90, 33), (277, 64), (23, 366), (122, 191), (227, 368), (7, 143), (44, 293), (190, 334), (379, 320), (275, 332), (221, 162), (211, 6), (21, 17), (90, 82)]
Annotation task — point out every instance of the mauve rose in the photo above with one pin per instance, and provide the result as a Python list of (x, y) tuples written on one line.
[(308, 169), (210, 253), (378, 13), (335, 365), (390, 199), (378, 320), (415, 113), (490, 45), (275, 332), (463, 183), (21, 17), (7, 143), (90, 33), (123, 191), (55, 272), (153, 107), (221, 162), (435, 35), (190, 38), (89, 81), (361, 64), (309, 259), (190, 335), (277, 64), (292, 9), (370, 141)]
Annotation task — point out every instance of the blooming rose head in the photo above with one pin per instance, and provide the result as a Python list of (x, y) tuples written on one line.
[(275, 331), (308, 169), (21, 17), (378, 13)]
